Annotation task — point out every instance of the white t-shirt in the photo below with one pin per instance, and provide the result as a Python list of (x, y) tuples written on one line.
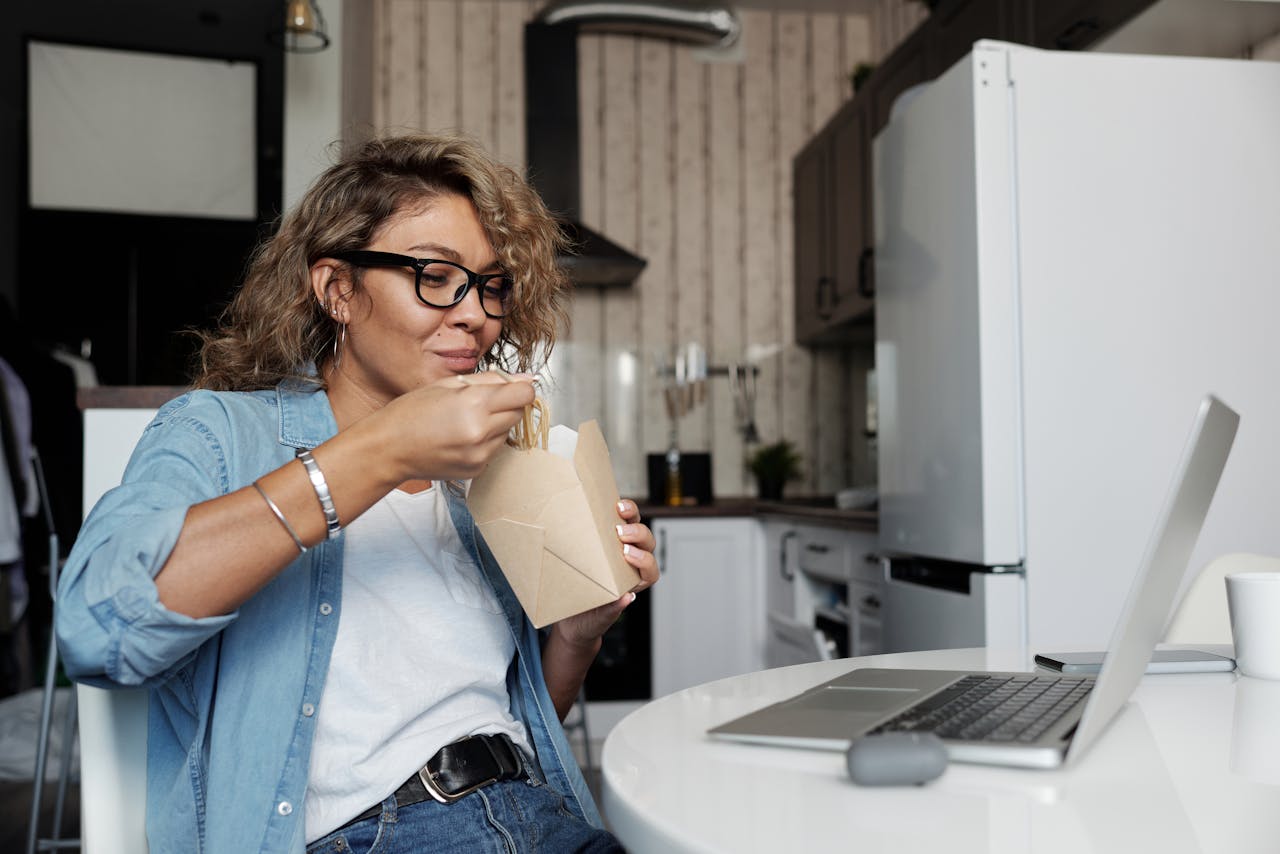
[(420, 659)]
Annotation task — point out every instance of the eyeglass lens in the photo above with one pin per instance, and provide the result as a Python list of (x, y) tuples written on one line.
[(442, 284)]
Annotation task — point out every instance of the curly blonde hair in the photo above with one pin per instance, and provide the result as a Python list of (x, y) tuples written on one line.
[(274, 326)]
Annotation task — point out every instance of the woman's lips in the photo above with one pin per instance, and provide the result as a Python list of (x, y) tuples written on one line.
[(460, 360)]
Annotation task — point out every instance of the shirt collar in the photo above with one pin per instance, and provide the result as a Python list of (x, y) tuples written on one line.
[(306, 419)]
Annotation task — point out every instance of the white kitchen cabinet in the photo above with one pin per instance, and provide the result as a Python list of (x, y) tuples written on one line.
[(708, 607), (825, 589)]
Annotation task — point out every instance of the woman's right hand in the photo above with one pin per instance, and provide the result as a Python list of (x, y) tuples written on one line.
[(445, 431), (449, 430)]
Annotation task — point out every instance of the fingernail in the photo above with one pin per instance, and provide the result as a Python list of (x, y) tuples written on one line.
[(626, 550), (622, 507), (621, 531), (633, 598)]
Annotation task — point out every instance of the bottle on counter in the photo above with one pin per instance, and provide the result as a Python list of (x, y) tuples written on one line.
[(675, 495)]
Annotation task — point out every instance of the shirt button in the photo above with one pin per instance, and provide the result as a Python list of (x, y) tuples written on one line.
[(284, 808), (308, 710), (326, 609)]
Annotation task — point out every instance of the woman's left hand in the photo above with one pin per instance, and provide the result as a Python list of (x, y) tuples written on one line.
[(637, 550)]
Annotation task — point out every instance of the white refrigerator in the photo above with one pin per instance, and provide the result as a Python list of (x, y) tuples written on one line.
[(1071, 250)]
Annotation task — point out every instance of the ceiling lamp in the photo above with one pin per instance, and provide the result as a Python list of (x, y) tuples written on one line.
[(304, 29)]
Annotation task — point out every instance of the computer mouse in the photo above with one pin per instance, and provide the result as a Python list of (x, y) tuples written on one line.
[(896, 759)]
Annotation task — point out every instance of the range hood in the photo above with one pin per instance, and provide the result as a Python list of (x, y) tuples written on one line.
[(551, 112)]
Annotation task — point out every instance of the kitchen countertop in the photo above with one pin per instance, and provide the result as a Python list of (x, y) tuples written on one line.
[(820, 509)]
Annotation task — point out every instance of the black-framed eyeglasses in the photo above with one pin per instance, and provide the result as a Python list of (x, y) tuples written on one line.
[(441, 284)]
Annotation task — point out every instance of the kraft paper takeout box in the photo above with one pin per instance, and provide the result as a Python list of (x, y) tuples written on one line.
[(551, 523)]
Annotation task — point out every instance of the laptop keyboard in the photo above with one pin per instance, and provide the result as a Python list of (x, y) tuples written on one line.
[(993, 708)]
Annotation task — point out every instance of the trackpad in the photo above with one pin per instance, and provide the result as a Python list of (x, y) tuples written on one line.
[(861, 700)]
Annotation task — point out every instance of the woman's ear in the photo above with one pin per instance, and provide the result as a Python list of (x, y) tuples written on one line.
[(326, 285)]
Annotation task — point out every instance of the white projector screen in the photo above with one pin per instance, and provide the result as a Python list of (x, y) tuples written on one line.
[(144, 133)]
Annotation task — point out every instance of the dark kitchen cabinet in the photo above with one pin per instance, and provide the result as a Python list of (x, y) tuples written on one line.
[(957, 24), (833, 228), (1077, 24), (834, 287)]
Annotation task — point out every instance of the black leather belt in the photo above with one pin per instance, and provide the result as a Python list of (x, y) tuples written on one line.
[(457, 770)]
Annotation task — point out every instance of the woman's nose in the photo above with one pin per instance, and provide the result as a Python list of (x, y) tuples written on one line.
[(469, 312)]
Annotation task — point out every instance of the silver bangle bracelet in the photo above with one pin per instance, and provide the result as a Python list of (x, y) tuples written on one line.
[(297, 541), (321, 487)]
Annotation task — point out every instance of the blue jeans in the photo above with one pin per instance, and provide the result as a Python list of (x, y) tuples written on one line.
[(511, 817)]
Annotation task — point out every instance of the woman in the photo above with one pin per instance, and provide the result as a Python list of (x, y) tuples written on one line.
[(315, 475)]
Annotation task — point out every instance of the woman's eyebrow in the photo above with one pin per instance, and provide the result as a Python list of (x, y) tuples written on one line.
[(436, 249)]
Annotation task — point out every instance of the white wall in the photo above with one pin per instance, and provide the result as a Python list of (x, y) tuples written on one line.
[(312, 107)]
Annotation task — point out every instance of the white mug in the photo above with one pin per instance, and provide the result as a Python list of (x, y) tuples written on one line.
[(1253, 600)]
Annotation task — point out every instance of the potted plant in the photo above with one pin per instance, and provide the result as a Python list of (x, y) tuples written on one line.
[(773, 465)]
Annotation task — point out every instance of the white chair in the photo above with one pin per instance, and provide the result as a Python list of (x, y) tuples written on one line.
[(113, 724), (113, 770), (1202, 616)]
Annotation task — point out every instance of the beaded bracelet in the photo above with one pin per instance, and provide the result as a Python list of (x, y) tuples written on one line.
[(321, 487), (280, 515)]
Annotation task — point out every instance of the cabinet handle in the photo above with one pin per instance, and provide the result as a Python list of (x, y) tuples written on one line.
[(817, 548), (783, 566), (866, 279), (662, 552), (824, 284), (1077, 35)]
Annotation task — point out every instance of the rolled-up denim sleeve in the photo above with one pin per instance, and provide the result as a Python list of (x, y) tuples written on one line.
[(111, 626)]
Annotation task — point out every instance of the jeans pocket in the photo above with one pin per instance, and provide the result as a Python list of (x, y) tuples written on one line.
[(367, 837)]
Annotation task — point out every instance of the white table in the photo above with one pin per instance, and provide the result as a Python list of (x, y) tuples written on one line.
[(1191, 765)]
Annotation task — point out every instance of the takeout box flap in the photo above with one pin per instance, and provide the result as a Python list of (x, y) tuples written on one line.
[(516, 484), (549, 588), (595, 470), (516, 544), (570, 536), (565, 591)]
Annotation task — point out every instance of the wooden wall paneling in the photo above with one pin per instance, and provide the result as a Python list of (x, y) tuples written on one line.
[(477, 72), (618, 399), (401, 53), (796, 123), (726, 305), (767, 305), (891, 22), (441, 88), (692, 267), (507, 51), (657, 285), (858, 48), (826, 62)]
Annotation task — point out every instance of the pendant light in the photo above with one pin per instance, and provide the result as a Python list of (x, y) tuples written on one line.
[(304, 29)]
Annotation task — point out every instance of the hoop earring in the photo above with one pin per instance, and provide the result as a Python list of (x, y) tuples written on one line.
[(338, 341)]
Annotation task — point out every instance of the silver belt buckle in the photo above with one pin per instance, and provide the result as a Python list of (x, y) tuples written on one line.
[(439, 794)]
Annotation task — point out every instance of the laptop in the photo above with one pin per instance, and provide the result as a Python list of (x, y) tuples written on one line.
[(1065, 714)]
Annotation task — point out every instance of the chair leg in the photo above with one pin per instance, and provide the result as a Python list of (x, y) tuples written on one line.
[(42, 741), (64, 769)]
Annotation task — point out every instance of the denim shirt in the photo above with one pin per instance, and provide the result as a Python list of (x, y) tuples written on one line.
[(234, 698)]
